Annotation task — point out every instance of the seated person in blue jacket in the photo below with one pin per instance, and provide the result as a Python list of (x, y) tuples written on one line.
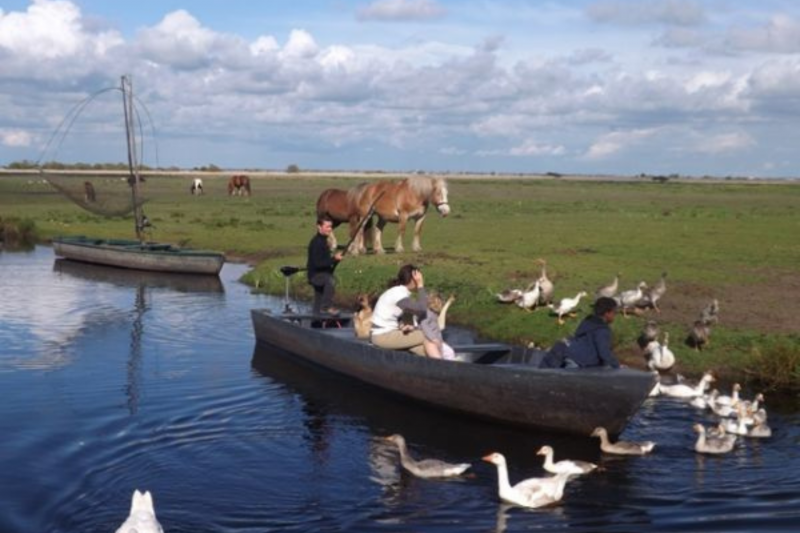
[(591, 344)]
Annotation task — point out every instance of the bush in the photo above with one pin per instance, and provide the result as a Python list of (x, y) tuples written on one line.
[(292, 169)]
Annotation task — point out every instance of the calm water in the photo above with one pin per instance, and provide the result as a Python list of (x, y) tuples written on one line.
[(113, 381)]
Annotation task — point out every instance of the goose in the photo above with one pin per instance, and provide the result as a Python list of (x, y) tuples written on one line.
[(426, 468), (705, 401), (732, 400), (698, 335), (682, 390), (760, 431), (736, 427), (710, 313), (546, 287), (622, 447), (532, 492), (508, 296), (654, 294), (566, 306), (751, 407), (530, 297), (717, 431), (661, 358), (650, 332), (571, 467), (628, 299), (610, 290), (707, 444), (142, 518)]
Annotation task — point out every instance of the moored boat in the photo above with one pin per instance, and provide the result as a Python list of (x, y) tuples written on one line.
[(493, 381)]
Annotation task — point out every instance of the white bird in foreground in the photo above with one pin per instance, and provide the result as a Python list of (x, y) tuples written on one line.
[(567, 306), (142, 518), (532, 492), (681, 390), (622, 447), (565, 466), (628, 299), (530, 297), (660, 356), (707, 444), (426, 468)]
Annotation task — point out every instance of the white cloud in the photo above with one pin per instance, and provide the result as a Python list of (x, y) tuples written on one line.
[(723, 143), (300, 45), (401, 10), (15, 137), (614, 142), (630, 12), (780, 35)]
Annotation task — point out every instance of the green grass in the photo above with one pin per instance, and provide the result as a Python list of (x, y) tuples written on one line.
[(714, 239)]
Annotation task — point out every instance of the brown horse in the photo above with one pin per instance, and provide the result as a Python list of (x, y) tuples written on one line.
[(239, 185), (341, 206), (401, 201)]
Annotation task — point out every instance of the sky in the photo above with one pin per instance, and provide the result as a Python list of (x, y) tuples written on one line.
[(689, 87)]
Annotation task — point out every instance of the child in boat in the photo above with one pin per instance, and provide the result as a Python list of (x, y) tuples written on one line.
[(432, 325)]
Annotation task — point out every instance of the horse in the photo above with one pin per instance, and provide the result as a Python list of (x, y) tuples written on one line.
[(341, 206), (401, 201), (197, 186), (239, 184), (88, 192)]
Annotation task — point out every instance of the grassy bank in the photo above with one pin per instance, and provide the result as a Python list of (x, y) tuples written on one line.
[(732, 241)]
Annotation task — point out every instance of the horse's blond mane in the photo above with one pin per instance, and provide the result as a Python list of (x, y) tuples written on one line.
[(425, 185)]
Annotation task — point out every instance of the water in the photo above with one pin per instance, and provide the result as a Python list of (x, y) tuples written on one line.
[(114, 381)]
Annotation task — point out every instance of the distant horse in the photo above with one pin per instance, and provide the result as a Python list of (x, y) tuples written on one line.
[(88, 192), (340, 206), (239, 185), (401, 201), (197, 186)]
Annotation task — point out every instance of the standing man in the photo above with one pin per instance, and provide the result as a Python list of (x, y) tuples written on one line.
[(320, 267)]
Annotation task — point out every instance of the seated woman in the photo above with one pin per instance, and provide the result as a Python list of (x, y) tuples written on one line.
[(387, 329)]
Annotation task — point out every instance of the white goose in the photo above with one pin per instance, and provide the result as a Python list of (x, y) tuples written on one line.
[(532, 492), (530, 297), (622, 447), (628, 299), (610, 290), (705, 401), (732, 400), (426, 468), (508, 296), (660, 356), (716, 445), (682, 390), (567, 306), (761, 430), (142, 518), (546, 287), (566, 466)]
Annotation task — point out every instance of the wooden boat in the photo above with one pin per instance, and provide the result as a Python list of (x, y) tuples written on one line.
[(127, 277), (153, 257), (495, 381), (136, 254)]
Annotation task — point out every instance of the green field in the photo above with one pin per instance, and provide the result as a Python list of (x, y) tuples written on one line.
[(734, 241)]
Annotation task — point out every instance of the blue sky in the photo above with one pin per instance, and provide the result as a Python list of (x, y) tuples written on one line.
[(596, 86)]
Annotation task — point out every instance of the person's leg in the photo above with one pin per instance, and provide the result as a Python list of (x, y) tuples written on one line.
[(324, 286), (328, 288), (397, 340), (432, 349)]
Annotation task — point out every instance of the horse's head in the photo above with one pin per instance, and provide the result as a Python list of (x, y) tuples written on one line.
[(439, 196)]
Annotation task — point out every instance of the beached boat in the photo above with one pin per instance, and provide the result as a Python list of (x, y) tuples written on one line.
[(136, 254), (153, 257), (497, 382), (127, 277)]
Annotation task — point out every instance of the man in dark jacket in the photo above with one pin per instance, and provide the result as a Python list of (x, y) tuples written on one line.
[(320, 267), (591, 344)]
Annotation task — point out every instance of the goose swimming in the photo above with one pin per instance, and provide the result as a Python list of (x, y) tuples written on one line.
[(426, 468), (565, 466), (622, 447), (715, 445), (142, 518), (682, 390), (532, 492)]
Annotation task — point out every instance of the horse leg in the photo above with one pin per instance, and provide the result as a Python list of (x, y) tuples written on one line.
[(377, 237), (355, 246), (401, 231), (415, 245)]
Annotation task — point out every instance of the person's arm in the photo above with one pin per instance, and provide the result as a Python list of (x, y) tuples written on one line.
[(602, 342), (418, 307)]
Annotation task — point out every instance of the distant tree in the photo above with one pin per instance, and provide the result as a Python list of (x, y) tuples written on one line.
[(292, 169)]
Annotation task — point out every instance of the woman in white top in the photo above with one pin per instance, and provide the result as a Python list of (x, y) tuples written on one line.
[(387, 329)]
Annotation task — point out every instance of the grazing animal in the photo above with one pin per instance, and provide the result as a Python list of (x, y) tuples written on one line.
[(341, 207), (197, 186), (426, 468), (710, 313), (610, 290), (239, 185), (546, 287), (715, 445), (698, 335), (653, 294), (508, 296), (571, 467), (399, 202), (622, 447), (142, 518), (532, 492), (362, 319), (630, 299), (530, 297), (566, 306), (88, 192)]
